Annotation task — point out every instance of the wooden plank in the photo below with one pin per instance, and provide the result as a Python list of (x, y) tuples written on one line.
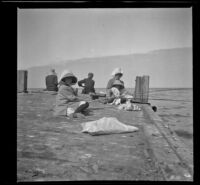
[(22, 80)]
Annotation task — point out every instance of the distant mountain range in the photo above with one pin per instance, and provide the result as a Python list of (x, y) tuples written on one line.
[(166, 68)]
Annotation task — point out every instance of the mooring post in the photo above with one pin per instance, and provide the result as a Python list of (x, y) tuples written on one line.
[(22, 80), (142, 89)]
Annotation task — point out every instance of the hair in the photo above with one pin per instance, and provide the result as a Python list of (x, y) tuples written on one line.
[(120, 74), (66, 78), (90, 74), (120, 86)]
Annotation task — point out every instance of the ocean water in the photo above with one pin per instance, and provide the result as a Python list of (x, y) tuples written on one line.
[(175, 108)]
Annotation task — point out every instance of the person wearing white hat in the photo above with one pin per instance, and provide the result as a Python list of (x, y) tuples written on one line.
[(67, 101), (117, 73)]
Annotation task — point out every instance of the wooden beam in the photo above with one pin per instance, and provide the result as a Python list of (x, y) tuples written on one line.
[(142, 89), (22, 80)]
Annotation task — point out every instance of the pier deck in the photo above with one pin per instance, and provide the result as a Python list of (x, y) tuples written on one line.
[(54, 149)]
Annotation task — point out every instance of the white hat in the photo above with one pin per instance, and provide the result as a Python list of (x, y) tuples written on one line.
[(117, 70), (67, 73)]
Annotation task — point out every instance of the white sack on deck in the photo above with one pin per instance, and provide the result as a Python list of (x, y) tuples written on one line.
[(106, 126)]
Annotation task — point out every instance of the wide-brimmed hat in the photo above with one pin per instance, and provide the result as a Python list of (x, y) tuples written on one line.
[(67, 73), (117, 70), (118, 82)]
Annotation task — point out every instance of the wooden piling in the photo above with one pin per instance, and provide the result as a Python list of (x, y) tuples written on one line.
[(142, 89), (22, 80)]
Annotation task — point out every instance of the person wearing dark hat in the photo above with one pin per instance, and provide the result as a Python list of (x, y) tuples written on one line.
[(118, 92), (67, 101), (51, 81), (117, 73), (87, 84), (117, 88)]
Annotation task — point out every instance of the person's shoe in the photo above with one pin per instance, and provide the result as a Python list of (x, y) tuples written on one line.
[(154, 108)]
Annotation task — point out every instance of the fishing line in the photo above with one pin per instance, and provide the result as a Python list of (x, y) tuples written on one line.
[(170, 100)]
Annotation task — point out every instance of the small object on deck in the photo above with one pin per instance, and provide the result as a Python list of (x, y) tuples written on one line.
[(82, 102), (40, 179), (96, 95), (40, 170), (155, 134), (75, 115), (30, 136), (175, 178), (101, 92), (95, 168), (106, 125), (136, 108), (86, 156), (187, 175), (116, 102), (154, 108), (127, 96), (129, 107)]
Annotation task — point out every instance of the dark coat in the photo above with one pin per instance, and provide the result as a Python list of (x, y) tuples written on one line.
[(89, 85), (51, 83)]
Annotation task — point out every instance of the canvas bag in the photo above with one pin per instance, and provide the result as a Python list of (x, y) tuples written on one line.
[(106, 125)]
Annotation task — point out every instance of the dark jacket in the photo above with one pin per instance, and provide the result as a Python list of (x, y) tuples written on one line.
[(89, 85), (51, 83)]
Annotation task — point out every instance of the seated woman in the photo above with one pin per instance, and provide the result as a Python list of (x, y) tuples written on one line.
[(117, 74), (118, 92), (87, 84), (67, 101)]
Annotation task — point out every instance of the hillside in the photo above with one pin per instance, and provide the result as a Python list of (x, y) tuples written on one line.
[(166, 68)]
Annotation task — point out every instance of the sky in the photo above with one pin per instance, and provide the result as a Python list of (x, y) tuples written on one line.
[(47, 36)]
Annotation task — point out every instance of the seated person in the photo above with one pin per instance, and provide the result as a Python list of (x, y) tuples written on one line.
[(87, 84), (118, 92), (51, 81), (67, 102), (117, 74)]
